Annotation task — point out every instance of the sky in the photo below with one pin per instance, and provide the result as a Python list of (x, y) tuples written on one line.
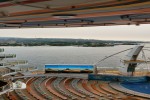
[(122, 32)]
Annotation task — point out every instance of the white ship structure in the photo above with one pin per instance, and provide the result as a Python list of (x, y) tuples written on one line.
[(10, 68), (129, 63), (28, 83)]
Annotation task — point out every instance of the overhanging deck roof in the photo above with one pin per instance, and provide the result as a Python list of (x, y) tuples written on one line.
[(73, 13)]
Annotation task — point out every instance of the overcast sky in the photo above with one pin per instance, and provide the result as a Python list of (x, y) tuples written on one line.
[(130, 32)]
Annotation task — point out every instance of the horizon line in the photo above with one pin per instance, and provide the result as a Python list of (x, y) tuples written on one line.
[(75, 39)]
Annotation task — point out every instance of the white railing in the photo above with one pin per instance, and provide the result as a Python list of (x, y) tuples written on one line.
[(1, 50), (81, 76), (16, 62), (7, 55)]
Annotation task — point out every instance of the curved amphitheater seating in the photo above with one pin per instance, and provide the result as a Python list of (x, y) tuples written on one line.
[(103, 86), (37, 86), (80, 90), (84, 84), (32, 91), (48, 83), (21, 95), (97, 89), (11, 96), (58, 88), (67, 82), (56, 84)]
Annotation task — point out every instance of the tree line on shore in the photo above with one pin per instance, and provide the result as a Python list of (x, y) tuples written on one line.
[(62, 42)]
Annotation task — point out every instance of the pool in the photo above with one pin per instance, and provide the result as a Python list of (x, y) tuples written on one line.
[(143, 87)]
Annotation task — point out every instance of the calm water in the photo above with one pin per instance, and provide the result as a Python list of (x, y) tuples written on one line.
[(41, 55)]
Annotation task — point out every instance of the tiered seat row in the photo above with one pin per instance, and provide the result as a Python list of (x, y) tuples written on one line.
[(80, 90), (67, 86), (93, 89), (112, 92), (21, 95), (102, 86), (86, 87), (11, 96), (56, 85), (56, 88), (37, 86), (32, 91), (48, 84), (96, 88)]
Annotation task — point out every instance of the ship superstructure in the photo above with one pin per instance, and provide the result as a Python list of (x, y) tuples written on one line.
[(128, 64), (70, 85), (10, 68)]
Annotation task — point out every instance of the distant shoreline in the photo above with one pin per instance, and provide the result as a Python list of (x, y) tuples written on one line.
[(63, 42), (61, 46)]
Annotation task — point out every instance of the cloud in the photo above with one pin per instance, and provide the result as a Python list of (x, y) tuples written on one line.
[(124, 32)]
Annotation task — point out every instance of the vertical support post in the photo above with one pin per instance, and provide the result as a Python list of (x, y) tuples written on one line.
[(95, 69)]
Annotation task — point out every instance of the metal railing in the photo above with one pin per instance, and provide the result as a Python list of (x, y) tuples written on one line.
[(7, 55), (1, 50), (16, 62)]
